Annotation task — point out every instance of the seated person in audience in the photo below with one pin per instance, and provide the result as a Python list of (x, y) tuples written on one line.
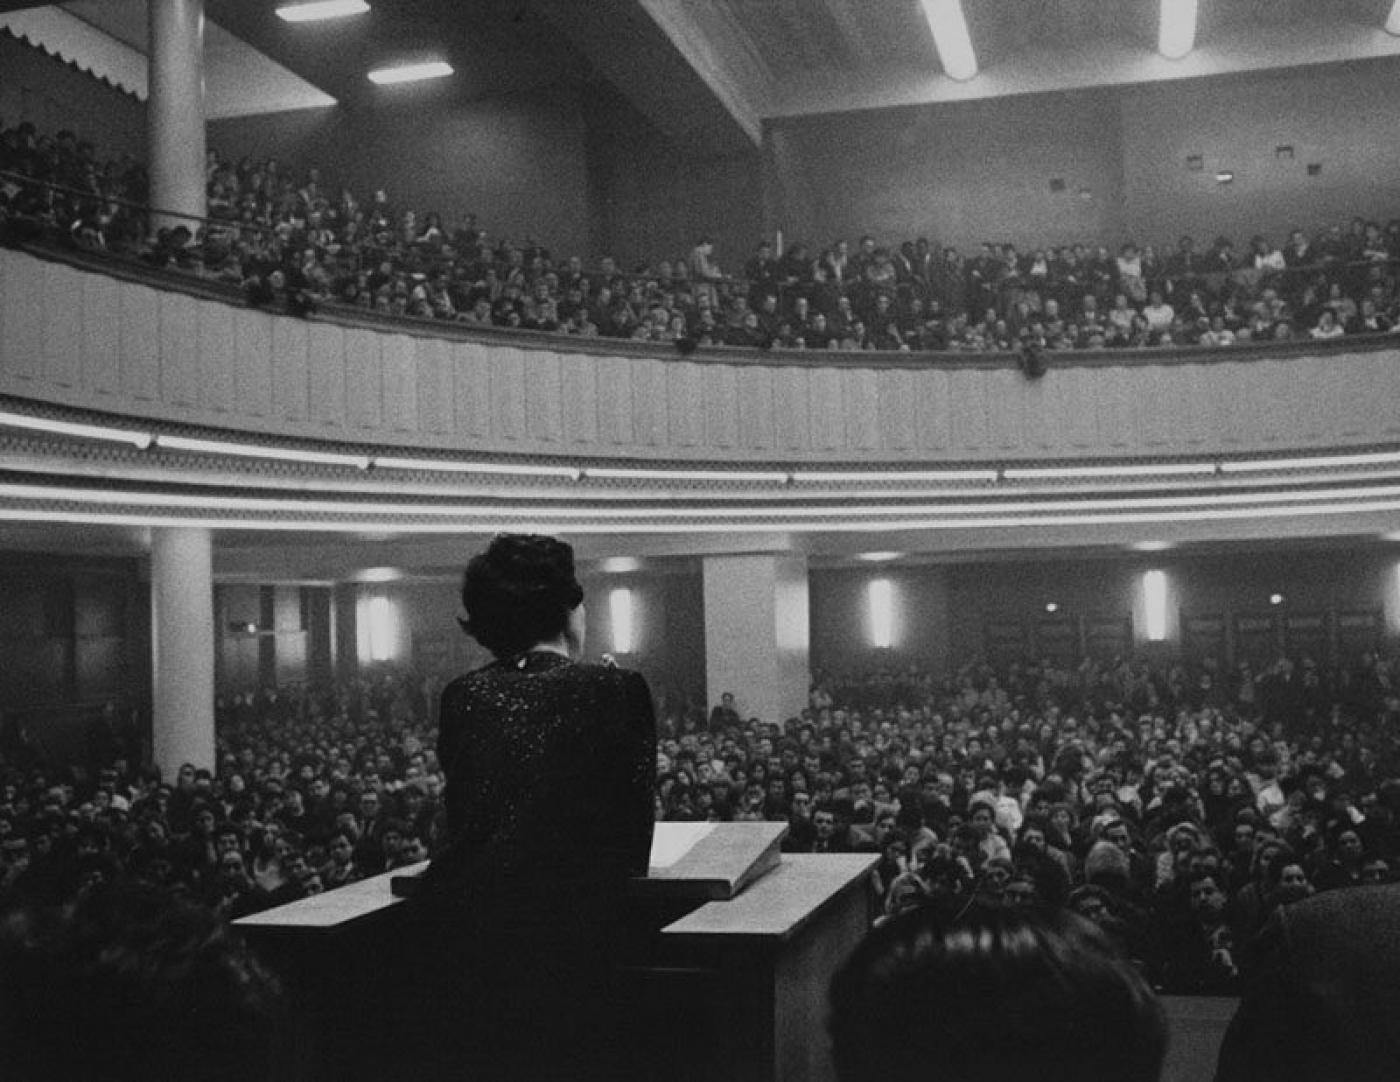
[(1319, 992), (131, 985), (978, 993)]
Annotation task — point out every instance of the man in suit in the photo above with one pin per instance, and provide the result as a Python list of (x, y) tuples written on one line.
[(1322, 993)]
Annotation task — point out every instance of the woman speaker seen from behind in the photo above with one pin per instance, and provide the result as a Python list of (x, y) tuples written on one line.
[(549, 764)]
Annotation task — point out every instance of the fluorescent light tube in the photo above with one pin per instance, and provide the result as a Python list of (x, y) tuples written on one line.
[(320, 10), (410, 73), (878, 476), (1318, 462), (507, 468), (139, 440), (1176, 30), (951, 38), (249, 450), (771, 477), (1161, 469)]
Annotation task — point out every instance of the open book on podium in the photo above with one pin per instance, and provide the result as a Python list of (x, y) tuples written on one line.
[(697, 862), (709, 861)]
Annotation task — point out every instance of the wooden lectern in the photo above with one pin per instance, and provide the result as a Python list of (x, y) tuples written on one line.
[(733, 947)]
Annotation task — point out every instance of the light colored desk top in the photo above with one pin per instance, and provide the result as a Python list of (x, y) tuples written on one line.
[(774, 906), (778, 905), (333, 908)]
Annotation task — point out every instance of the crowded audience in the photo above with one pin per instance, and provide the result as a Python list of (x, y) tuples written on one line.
[(1176, 807), (289, 237)]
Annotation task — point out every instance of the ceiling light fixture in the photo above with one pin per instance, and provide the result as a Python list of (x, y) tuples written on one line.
[(320, 10), (139, 440), (1319, 462), (250, 450), (951, 38), (1159, 469), (771, 477), (410, 73), (1176, 31), (511, 469), (878, 476)]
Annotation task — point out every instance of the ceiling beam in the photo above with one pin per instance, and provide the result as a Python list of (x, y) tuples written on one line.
[(707, 57), (851, 33), (630, 50), (1246, 49)]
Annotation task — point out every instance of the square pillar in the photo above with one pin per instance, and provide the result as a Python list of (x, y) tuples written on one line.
[(757, 633)]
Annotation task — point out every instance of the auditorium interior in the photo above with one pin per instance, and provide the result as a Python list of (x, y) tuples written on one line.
[(996, 401)]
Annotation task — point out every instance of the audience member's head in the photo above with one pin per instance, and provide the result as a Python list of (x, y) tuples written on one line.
[(131, 985), (992, 994)]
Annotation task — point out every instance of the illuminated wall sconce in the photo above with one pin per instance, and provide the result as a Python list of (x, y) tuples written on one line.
[(620, 607), (880, 596), (1154, 594), (1225, 177), (382, 616)]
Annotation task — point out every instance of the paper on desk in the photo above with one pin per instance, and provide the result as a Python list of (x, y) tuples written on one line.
[(671, 841)]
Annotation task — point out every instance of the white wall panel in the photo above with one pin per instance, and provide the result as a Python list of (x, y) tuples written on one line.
[(125, 347), (792, 414), (252, 375), (651, 408), (721, 406), (363, 364), (471, 375), (861, 401), (140, 344), (580, 379), (506, 379), (544, 396), (756, 429), (217, 359), (828, 411), (63, 327), (291, 387), (326, 375), (101, 318), (21, 303), (433, 378), (685, 396), (179, 348), (400, 384)]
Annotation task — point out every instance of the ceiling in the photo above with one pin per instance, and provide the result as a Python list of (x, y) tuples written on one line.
[(710, 73)]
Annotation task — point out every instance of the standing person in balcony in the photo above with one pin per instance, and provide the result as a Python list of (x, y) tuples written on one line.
[(704, 271), (522, 914)]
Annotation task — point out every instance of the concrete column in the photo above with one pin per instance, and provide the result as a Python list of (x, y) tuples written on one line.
[(182, 622), (757, 633), (175, 109)]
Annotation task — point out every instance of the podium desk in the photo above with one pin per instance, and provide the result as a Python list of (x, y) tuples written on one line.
[(725, 967)]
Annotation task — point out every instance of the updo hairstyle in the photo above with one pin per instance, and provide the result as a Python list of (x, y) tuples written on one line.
[(519, 592)]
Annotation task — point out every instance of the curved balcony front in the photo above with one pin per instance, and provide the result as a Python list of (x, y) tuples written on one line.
[(829, 443)]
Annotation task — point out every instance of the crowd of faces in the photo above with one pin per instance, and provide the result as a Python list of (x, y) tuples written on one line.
[(1178, 807), (313, 789), (288, 235)]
